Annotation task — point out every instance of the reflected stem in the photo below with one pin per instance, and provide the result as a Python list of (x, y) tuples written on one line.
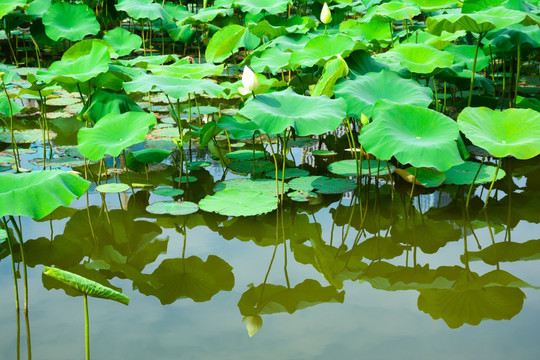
[(474, 179), (25, 276), (86, 328), (28, 337), (493, 182), (15, 284)]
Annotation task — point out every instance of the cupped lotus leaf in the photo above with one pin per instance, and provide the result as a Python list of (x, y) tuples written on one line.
[(375, 30), (513, 132), (413, 135), (69, 21), (174, 87), (264, 186), (320, 49), (419, 58), (506, 252), (394, 10), (112, 188), (425, 177), (279, 110), (113, 133), (464, 174), (245, 154), (143, 10), (433, 5), (322, 184), (123, 41), (250, 167), (258, 6), (25, 136), (82, 62), (38, 193), (290, 173), (367, 167), (7, 6), (189, 71), (481, 21), (506, 39), (85, 286), (172, 208), (234, 202), (238, 127), (106, 102), (206, 15), (464, 55), (271, 59), (224, 43), (167, 191), (274, 26), (302, 196), (151, 156), (362, 93)]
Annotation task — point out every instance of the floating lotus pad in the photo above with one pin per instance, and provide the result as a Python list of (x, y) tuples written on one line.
[(167, 191), (245, 154), (63, 101), (322, 184), (302, 196), (265, 186), (235, 202), (112, 188), (6, 160), (426, 177), (172, 208), (289, 173), (413, 135), (184, 179), (464, 174), (63, 161), (323, 153), (246, 167), (25, 136), (513, 132), (197, 165), (369, 167)]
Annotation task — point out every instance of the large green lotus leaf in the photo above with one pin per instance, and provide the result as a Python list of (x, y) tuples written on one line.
[(522, 103), (143, 10), (106, 102), (464, 174), (69, 21), (271, 59), (322, 184), (279, 110), (258, 6), (123, 41), (82, 62), (481, 21), (113, 133), (207, 15), (367, 167), (506, 40), (394, 10), (151, 156), (37, 194), (234, 202), (413, 135), (189, 278), (238, 127), (438, 42), (362, 93), (464, 55), (224, 43), (506, 252), (189, 71), (7, 6), (143, 62), (273, 299), (174, 87), (432, 5), (264, 186), (513, 132), (274, 26), (322, 48), (419, 58), (85, 286)]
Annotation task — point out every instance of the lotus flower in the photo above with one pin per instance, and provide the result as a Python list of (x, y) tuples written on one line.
[(326, 15), (249, 81)]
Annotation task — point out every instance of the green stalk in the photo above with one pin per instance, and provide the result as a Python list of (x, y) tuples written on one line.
[(127, 173), (13, 142), (517, 72), (472, 184), (86, 328), (480, 37)]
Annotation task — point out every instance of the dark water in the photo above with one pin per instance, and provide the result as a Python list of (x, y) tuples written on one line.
[(355, 276)]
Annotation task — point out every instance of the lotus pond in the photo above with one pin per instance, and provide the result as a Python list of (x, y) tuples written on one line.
[(269, 179)]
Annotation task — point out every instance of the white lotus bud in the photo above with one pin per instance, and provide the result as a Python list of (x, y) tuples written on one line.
[(253, 324), (326, 15), (249, 81)]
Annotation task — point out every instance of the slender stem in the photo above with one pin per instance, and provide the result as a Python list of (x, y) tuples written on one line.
[(493, 182), (25, 276), (10, 245), (517, 72), (472, 184), (13, 142), (474, 67), (86, 328)]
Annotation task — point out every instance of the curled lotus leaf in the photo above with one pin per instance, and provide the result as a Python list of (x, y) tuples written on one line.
[(172, 208), (426, 177), (419, 58), (235, 202)]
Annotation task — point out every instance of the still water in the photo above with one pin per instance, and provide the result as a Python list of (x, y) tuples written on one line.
[(359, 275)]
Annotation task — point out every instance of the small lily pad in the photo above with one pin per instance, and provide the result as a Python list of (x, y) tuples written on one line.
[(426, 177), (112, 188), (246, 166), (197, 165), (63, 161), (25, 136), (63, 101), (6, 160), (245, 154), (172, 208), (167, 191), (322, 184), (21, 151), (302, 196), (185, 179), (235, 202), (464, 174), (369, 167), (164, 144), (265, 186), (289, 173)]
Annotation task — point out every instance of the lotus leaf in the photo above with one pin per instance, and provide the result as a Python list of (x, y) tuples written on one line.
[(106, 102), (172, 208), (464, 55), (238, 127), (185, 179), (368, 167), (320, 49), (234, 202), (432, 5), (25, 136), (302, 196), (271, 59), (394, 10), (69, 21), (245, 154), (143, 10), (419, 58), (413, 135), (167, 191), (4, 107), (332, 72), (273, 27), (7, 6), (189, 71), (174, 87), (113, 133), (197, 165), (265, 186), (322, 184), (513, 132), (248, 166), (289, 173), (464, 174), (279, 110), (224, 43), (112, 188), (42, 191), (506, 252), (258, 6), (206, 15), (123, 41), (85, 286), (425, 177), (362, 93), (151, 156)]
